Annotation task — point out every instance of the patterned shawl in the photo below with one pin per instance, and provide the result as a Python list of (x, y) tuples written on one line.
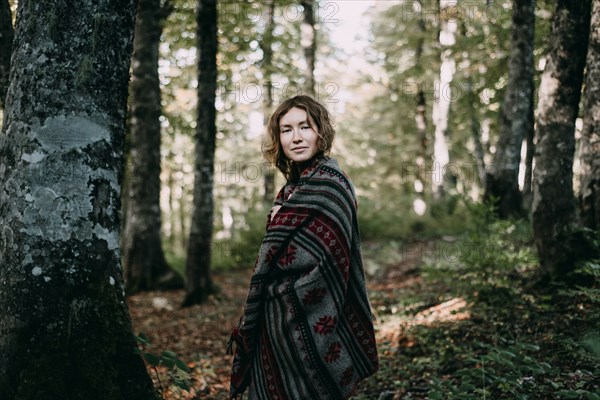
[(307, 330)]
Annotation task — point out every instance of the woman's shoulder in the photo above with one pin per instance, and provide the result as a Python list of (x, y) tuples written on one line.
[(331, 170), (330, 178)]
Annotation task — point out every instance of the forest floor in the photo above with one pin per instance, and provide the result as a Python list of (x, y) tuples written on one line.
[(198, 335), (458, 330)]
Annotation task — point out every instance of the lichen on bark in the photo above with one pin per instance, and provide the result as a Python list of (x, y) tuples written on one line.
[(64, 331)]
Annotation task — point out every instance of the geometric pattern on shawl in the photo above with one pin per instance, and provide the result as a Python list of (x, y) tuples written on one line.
[(307, 331)]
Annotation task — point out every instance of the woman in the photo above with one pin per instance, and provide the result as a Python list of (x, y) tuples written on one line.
[(306, 331)]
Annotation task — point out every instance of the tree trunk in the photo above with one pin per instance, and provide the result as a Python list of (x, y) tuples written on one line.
[(441, 105), (6, 39), (420, 116), (309, 44), (183, 215), (476, 134), (65, 332), (589, 196), (172, 212), (528, 180), (267, 66), (516, 115), (560, 92), (143, 256), (475, 125), (199, 282)]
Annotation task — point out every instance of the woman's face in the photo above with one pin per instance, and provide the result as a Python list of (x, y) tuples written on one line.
[(299, 139)]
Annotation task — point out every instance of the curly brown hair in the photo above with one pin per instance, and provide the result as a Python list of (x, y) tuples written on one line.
[(319, 119)]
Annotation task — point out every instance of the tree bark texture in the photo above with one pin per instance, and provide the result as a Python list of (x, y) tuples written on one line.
[(442, 105), (143, 256), (65, 332), (6, 39), (516, 115), (421, 105), (589, 196), (267, 67), (309, 44), (553, 206), (199, 282)]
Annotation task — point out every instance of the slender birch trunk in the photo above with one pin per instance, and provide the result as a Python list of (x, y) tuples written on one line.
[(441, 106)]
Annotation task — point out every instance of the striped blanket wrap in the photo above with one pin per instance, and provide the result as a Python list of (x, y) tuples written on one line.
[(307, 329)]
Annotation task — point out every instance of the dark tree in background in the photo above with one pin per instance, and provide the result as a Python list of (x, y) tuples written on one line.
[(560, 91), (589, 194), (421, 102), (267, 68), (199, 282), (143, 256), (516, 115), (65, 332), (6, 39), (308, 39)]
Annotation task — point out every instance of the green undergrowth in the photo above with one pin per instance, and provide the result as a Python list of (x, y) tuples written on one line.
[(397, 219), (176, 262), (525, 338), (379, 224)]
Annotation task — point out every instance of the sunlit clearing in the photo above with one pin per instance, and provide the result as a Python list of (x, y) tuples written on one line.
[(395, 327)]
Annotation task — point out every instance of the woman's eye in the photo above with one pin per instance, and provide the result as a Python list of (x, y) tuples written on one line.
[(286, 130), (306, 127)]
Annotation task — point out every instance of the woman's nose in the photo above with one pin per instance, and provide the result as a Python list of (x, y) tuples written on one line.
[(297, 136)]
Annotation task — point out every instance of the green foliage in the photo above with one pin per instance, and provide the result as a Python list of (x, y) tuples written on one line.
[(526, 338), (591, 342), (505, 371), (380, 219), (176, 262), (240, 251), (177, 370)]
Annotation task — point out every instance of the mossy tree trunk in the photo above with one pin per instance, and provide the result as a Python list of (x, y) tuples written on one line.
[(553, 206), (65, 331), (516, 115), (143, 256), (6, 39), (198, 264), (589, 196)]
